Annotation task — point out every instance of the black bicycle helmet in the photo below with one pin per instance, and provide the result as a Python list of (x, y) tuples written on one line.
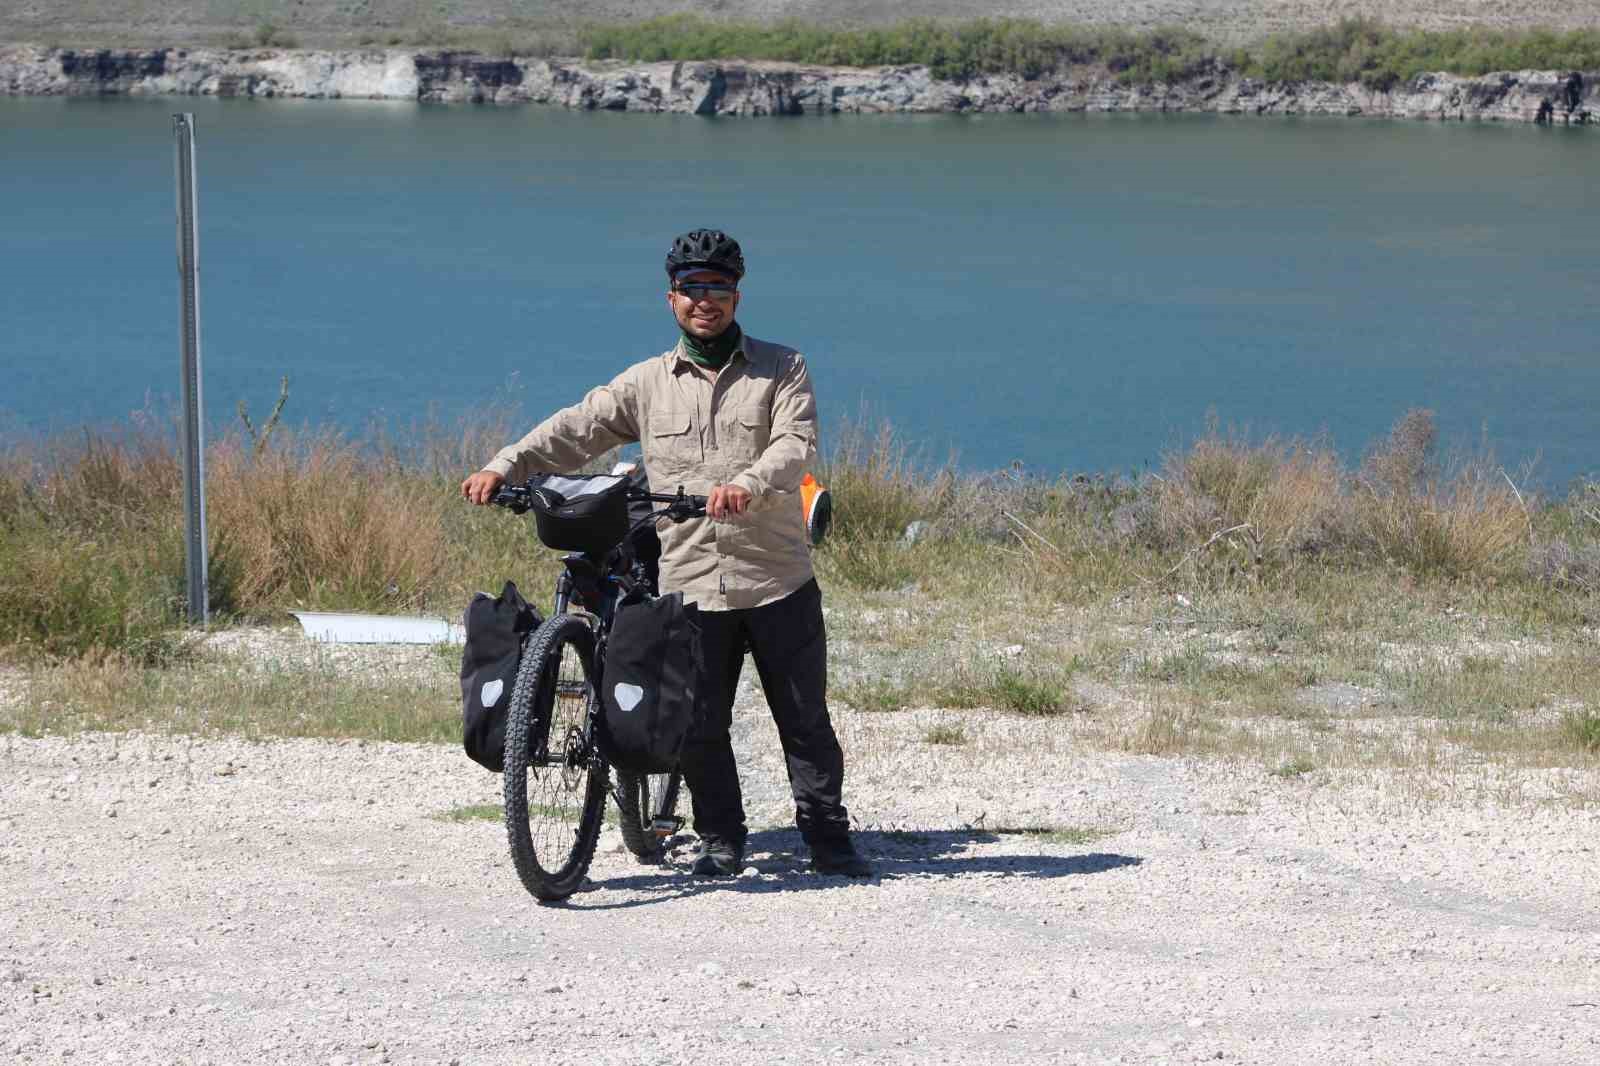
[(706, 249)]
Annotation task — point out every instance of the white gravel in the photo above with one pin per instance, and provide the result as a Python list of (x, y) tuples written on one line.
[(181, 900)]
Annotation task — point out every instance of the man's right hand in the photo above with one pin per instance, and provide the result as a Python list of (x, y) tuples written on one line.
[(481, 487)]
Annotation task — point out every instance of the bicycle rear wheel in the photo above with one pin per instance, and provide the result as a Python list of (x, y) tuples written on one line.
[(648, 806), (555, 779)]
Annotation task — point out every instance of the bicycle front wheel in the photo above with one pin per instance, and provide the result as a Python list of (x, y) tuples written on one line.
[(647, 804), (555, 780)]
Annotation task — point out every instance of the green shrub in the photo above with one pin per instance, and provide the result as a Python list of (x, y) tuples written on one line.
[(66, 594), (1293, 768), (1354, 50), (1024, 694), (1031, 693), (876, 694), (1582, 731), (270, 35), (949, 49), (950, 735), (91, 550), (1381, 57)]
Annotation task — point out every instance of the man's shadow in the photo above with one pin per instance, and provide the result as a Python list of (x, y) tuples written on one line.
[(782, 864)]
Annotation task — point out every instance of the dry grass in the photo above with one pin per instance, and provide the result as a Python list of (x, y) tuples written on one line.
[(1275, 501), (1279, 504), (1253, 602), (1472, 520), (89, 544), (880, 487), (318, 522), (91, 536)]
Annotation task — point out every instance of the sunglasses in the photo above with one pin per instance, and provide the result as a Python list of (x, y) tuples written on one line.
[(719, 293)]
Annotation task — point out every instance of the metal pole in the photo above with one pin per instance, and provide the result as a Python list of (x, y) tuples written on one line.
[(194, 468)]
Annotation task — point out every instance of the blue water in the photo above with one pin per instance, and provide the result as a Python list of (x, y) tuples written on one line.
[(1076, 292)]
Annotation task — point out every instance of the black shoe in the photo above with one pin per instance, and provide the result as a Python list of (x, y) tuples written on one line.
[(717, 857), (838, 856)]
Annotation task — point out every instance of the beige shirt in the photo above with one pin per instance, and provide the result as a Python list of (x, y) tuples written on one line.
[(755, 427)]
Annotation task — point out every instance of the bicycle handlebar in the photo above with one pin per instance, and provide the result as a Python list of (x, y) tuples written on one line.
[(680, 505)]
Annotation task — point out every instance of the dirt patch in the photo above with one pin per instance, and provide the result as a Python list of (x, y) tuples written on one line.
[(1345, 699), (262, 649)]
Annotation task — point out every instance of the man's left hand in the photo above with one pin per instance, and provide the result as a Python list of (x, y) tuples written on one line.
[(727, 501)]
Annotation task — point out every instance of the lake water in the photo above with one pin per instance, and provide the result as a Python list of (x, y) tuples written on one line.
[(1074, 292)]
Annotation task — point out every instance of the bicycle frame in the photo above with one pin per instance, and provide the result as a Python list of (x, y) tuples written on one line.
[(596, 586), (588, 592)]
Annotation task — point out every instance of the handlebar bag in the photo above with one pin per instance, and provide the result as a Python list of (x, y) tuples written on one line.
[(496, 628), (586, 514), (649, 685)]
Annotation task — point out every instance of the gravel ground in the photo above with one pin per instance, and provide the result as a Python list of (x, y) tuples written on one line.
[(184, 900)]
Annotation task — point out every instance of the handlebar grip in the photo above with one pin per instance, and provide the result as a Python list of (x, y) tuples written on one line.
[(684, 507), (514, 497)]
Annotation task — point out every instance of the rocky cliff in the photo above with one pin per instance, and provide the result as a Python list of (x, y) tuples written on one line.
[(727, 88)]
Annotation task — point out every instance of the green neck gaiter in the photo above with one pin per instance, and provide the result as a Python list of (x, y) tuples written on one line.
[(714, 352)]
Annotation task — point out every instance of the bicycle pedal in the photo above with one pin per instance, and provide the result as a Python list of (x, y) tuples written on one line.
[(666, 827)]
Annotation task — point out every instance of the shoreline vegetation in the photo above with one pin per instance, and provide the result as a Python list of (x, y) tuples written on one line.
[(1367, 51), (1355, 50), (1251, 599), (1356, 66)]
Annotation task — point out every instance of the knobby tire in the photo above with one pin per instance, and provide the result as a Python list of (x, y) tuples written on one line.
[(555, 780)]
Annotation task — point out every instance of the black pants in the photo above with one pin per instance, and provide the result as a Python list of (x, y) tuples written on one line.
[(790, 647)]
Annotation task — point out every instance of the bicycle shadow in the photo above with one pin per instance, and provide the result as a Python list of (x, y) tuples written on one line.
[(782, 864)]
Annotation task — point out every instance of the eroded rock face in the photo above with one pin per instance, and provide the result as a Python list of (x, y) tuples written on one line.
[(761, 88), (109, 66), (205, 72), (481, 78)]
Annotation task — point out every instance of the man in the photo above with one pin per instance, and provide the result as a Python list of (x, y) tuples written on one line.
[(732, 418)]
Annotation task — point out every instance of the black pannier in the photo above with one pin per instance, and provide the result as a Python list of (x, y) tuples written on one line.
[(496, 627), (648, 690), (580, 514)]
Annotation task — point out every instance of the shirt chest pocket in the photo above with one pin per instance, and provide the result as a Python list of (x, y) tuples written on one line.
[(673, 443), (744, 431)]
